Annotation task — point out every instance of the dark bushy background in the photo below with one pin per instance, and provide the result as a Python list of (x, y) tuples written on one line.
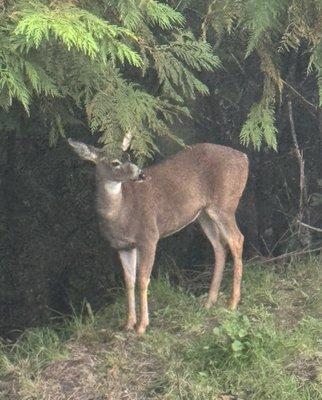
[(52, 254)]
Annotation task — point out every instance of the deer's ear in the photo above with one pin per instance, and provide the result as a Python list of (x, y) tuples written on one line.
[(84, 151), (126, 157)]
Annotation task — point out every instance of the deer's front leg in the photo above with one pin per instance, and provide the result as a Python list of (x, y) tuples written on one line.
[(129, 263), (146, 260)]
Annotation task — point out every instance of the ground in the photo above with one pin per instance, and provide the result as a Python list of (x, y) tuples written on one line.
[(268, 349)]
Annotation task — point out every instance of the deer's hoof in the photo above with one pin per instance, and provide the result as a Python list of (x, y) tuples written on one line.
[(140, 330), (208, 304), (232, 306), (129, 326)]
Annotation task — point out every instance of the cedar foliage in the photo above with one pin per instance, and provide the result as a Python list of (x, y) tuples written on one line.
[(87, 55), (59, 56), (276, 31)]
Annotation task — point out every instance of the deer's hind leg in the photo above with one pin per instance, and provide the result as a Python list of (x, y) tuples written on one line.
[(212, 232), (229, 231), (129, 263)]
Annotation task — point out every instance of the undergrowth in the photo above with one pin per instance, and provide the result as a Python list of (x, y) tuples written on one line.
[(268, 349)]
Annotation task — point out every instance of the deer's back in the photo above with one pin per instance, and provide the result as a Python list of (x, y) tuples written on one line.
[(181, 186)]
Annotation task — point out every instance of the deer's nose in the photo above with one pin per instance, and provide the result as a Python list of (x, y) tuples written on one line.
[(141, 176)]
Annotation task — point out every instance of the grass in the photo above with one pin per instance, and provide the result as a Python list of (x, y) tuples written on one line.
[(269, 349)]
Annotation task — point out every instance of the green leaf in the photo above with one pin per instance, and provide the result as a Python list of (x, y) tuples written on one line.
[(237, 346)]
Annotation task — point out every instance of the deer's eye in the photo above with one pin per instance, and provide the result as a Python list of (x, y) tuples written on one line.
[(115, 163)]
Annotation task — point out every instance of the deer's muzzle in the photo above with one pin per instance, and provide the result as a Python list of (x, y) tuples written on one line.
[(141, 177)]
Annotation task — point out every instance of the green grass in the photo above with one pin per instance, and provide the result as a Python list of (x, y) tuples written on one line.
[(269, 349)]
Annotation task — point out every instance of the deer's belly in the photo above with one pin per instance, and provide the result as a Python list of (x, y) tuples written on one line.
[(171, 225)]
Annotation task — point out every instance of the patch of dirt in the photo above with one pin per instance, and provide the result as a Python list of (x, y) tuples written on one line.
[(133, 376), (75, 378), (306, 369), (117, 370), (288, 317), (9, 389)]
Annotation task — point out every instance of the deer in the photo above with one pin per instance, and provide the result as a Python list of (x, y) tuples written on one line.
[(138, 207)]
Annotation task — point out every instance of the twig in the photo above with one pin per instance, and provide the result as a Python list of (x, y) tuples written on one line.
[(299, 156), (279, 240), (266, 246), (310, 227), (292, 253), (238, 63), (301, 97), (178, 5)]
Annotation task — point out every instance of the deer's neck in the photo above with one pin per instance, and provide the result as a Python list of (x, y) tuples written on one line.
[(109, 197), (112, 188)]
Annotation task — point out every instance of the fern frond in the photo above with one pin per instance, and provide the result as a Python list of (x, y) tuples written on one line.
[(75, 28), (261, 17), (260, 127), (221, 15), (270, 68), (175, 61), (123, 106), (303, 23), (198, 55), (40, 81), (130, 13), (12, 81), (161, 14)]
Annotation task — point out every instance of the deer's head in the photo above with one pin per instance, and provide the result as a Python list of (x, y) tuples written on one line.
[(113, 169)]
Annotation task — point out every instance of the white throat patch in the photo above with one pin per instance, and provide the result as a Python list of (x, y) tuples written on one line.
[(112, 187)]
